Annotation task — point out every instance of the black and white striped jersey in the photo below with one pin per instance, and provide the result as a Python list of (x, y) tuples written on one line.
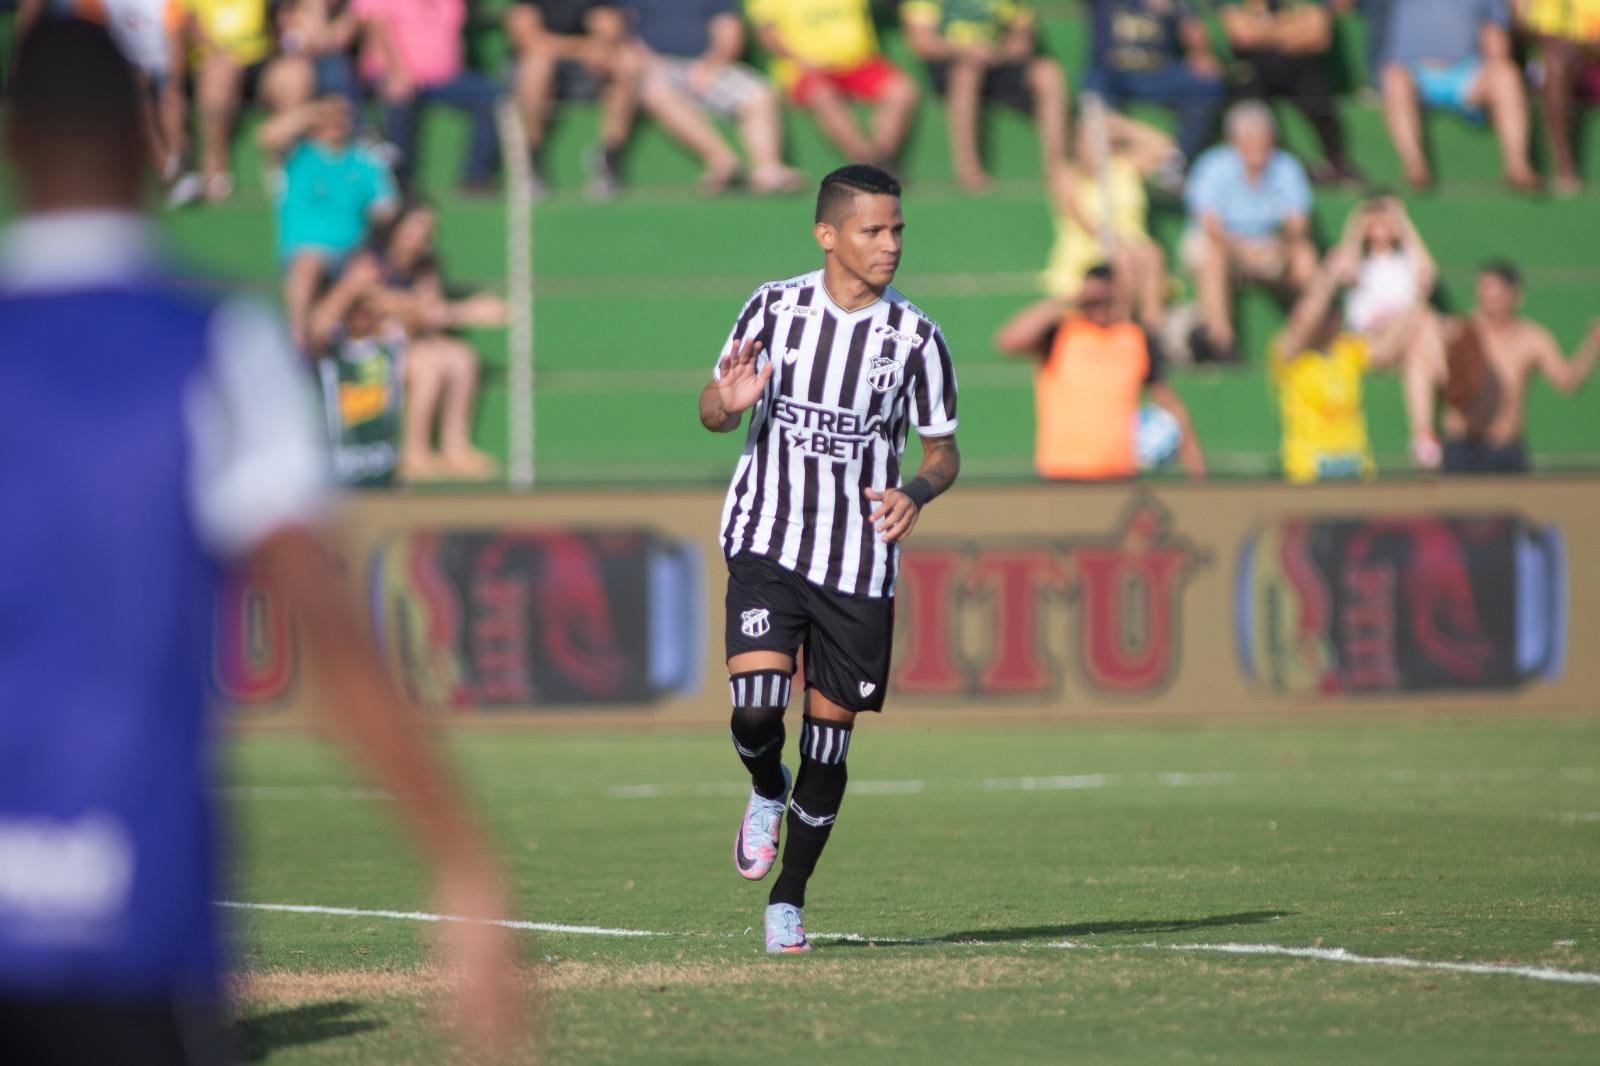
[(832, 423)]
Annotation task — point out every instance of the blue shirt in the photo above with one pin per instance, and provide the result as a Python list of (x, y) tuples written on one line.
[(150, 437), (328, 197), (1445, 31), (1218, 185), (678, 27), (1135, 36)]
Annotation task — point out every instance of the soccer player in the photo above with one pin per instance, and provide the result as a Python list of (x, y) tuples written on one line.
[(835, 367), (152, 437)]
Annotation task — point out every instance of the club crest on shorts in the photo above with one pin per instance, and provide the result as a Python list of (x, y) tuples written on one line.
[(867, 689), (755, 622), (884, 373)]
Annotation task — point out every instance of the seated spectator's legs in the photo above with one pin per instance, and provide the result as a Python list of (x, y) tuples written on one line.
[(685, 121), (1562, 61), (219, 85), (963, 97), (1143, 267), (826, 101), (1212, 267), (441, 386), (1197, 100), (1499, 88), (619, 103), (895, 106), (302, 277), (1047, 84), (400, 127), (761, 130), (474, 95), (1402, 111)]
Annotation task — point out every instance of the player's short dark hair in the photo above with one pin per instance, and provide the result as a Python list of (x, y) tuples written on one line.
[(840, 189), (1099, 272), (1504, 269), (72, 83)]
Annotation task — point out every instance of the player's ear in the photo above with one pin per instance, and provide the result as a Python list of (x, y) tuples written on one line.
[(826, 235)]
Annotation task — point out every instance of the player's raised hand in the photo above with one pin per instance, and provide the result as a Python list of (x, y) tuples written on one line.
[(739, 382), (895, 516)]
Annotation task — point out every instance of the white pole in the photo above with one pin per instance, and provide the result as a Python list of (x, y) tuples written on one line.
[(519, 295)]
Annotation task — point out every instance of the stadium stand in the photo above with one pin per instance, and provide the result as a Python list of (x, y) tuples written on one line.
[(613, 386)]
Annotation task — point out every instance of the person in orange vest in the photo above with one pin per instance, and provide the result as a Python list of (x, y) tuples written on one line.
[(1096, 366)]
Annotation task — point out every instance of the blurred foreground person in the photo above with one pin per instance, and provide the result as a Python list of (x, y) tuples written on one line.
[(181, 443), (1095, 366)]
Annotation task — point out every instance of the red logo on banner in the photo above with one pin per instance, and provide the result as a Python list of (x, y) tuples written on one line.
[(1007, 618)]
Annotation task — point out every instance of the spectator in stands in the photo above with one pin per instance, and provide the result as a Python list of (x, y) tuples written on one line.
[(569, 49), (332, 191), (1568, 32), (1320, 359), (1101, 213), (149, 33), (1158, 50), (1094, 367), (1490, 356), (1456, 55), (415, 53), (233, 54), (1278, 50), (825, 54), (691, 67), (441, 374), (1249, 221), (988, 51), (319, 35), (360, 350)]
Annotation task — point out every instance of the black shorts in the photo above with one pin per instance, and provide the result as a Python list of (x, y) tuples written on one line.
[(71, 1032), (847, 639), (1462, 457), (1006, 84)]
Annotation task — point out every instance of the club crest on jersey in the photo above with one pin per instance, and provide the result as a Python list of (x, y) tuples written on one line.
[(755, 622), (867, 688), (884, 374)]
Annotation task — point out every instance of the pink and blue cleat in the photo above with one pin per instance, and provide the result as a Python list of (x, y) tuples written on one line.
[(786, 930), (755, 848)]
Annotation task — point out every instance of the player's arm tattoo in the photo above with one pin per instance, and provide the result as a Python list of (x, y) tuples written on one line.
[(941, 463)]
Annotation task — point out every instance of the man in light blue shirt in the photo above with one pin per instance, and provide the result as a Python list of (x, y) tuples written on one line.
[(1249, 221), (1453, 55)]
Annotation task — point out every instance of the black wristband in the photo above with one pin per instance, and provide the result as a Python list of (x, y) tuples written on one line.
[(919, 491)]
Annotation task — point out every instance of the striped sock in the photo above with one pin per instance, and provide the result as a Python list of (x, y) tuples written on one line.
[(818, 793)]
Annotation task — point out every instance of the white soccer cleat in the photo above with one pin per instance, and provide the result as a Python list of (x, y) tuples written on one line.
[(786, 930), (755, 848)]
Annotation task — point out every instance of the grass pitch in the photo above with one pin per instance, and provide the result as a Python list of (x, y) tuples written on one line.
[(1060, 889)]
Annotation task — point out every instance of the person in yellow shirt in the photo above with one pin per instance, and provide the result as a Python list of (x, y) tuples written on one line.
[(825, 54), (233, 55), (1318, 368), (1101, 213), (1569, 38), (988, 50)]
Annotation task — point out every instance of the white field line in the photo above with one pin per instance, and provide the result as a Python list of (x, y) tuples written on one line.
[(1044, 783), (1396, 962), (424, 916)]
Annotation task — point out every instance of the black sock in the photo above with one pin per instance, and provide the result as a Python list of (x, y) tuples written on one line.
[(818, 791), (759, 699)]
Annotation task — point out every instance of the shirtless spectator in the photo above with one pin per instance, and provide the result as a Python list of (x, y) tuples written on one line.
[(1491, 354)]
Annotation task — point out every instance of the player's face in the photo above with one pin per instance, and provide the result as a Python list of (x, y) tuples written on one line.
[(1096, 301), (1497, 298), (867, 243)]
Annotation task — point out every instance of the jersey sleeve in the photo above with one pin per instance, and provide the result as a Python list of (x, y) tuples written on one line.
[(259, 463), (933, 389), (748, 326)]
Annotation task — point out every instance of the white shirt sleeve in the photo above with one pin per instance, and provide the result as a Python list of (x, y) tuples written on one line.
[(933, 389), (748, 326), (259, 456)]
